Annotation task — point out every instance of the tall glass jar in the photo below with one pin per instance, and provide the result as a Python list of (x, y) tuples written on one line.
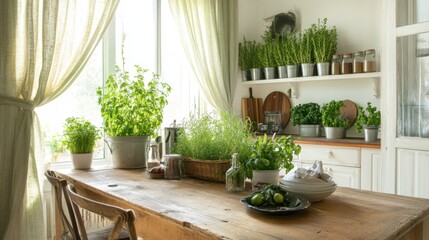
[(154, 159), (358, 62), (235, 177), (336, 64), (347, 64), (369, 62)]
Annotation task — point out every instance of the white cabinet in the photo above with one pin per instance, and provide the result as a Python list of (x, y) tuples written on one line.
[(371, 170), (353, 167), (343, 176), (412, 172)]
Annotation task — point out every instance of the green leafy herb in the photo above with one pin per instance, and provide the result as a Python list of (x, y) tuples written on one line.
[(272, 154), (331, 115), (80, 135), (130, 106), (308, 113), (214, 137), (370, 117), (324, 41)]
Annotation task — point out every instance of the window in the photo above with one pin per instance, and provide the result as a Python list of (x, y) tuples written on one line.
[(151, 41)]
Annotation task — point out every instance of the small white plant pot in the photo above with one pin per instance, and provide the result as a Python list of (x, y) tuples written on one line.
[(261, 177), (82, 161)]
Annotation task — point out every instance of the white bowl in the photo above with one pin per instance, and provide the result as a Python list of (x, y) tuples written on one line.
[(311, 195)]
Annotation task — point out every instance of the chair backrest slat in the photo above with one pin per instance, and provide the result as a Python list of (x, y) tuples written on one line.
[(68, 219), (114, 213)]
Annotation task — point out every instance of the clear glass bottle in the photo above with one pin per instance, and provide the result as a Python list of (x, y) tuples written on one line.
[(336, 64), (235, 177), (358, 62), (369, 62), (153, 160), (347, 64)]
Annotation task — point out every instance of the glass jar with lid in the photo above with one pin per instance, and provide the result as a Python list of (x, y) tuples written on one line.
[(154, 159), (336, 64), (369, 62), (358, 62), (235, 177), (347, 64)]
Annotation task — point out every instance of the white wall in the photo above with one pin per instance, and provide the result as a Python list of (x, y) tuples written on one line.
[(358, 28)]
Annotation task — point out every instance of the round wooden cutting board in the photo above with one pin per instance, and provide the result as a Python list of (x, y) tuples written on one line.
[(349, 111), (278, 101)]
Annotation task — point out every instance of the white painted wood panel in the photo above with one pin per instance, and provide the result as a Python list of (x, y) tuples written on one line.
[(343, 176), (412, 173), (330, 155), (371, 170)]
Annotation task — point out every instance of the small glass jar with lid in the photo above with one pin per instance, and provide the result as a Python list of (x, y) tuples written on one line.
[(347, 64), (336, 64), (369, 62), (358, 62), (235, 177)]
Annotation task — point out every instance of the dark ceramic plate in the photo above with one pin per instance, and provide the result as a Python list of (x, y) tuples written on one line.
[(301, 204)]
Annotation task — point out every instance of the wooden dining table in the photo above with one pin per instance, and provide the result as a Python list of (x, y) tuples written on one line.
[(196, 209)]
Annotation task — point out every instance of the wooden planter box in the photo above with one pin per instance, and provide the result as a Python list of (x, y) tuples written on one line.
[(210, 170)]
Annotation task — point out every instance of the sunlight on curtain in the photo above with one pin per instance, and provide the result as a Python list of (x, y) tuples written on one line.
[(208, 32), (43, 47)]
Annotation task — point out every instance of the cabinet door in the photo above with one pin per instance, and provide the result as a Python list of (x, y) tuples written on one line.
[(343, 176), (412, 172), (371, 169), (342, 156)]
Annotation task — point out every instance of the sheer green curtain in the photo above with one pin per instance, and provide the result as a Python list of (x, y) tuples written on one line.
[(208, 31), (44, 44)]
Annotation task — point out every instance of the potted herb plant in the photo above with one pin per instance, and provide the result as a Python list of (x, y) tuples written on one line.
[(370, 120), (306, 52), (332, 120), (324, 46), (268, 156), (245, 58), (290, 48), (79, 138), (255, 65), (309, 119), (266, 58), (280, 56), (207, 143), (132, 109)]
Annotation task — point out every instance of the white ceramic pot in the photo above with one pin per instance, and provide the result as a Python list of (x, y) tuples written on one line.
[(265, 177), (82, 160)]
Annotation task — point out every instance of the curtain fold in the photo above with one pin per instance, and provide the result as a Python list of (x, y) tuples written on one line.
[(208, 31), (44, 45)]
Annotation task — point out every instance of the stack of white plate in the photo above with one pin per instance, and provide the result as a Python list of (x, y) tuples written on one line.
[(314, 189)]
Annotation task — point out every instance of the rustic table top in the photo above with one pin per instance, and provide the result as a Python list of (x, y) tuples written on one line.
[(195, 209)]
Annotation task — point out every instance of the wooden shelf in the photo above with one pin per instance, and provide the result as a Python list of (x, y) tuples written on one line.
[(293, 82), (375, 75)]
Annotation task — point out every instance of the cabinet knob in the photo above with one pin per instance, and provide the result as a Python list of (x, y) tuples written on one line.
[(330, 154)]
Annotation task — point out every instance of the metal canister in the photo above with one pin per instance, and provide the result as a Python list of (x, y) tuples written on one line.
[(172, 166)]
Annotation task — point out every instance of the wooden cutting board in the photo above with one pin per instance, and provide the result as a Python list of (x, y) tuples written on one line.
[(349, 111), (252, 108), (278, 101)]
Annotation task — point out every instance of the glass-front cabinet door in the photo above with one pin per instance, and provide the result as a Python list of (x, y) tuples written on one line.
[(412, 44), (408, 69)]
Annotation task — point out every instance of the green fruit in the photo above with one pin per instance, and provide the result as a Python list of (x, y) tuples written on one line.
[(278, 198), (257, 199)]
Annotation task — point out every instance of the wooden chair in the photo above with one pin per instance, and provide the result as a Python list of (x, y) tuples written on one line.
[(118, 215), (67, 215), (72, 224)]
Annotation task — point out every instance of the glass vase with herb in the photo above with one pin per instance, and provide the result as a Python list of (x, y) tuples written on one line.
[(235, 177)]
